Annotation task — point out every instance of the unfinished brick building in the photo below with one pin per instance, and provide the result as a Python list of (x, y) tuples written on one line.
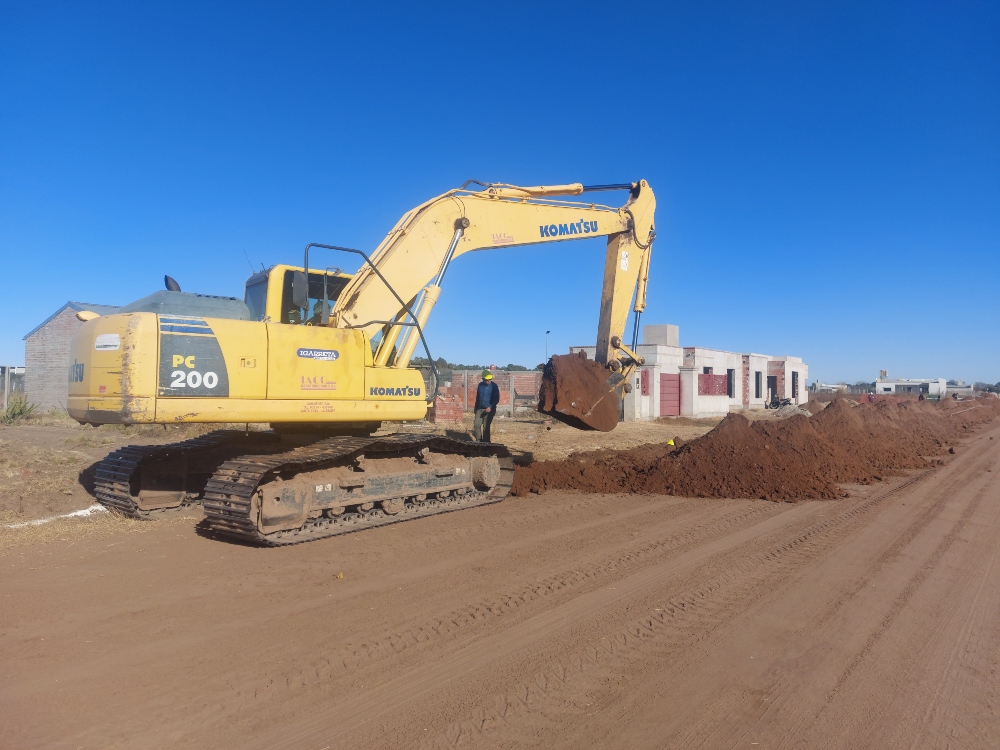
[(46, 354)]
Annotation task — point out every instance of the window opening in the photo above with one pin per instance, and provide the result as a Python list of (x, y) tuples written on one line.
[(256, 300), (314, 313)]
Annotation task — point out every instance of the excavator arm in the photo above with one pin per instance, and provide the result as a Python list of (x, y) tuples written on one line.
[(414, 258)]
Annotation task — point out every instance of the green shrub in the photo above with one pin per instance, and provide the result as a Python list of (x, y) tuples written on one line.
[(18, 408)]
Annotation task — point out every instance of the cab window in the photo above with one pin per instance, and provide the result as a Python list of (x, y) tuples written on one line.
[(256, 300), (313, 314)]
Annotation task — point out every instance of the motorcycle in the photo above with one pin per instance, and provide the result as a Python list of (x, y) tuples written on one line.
[(777, 403)]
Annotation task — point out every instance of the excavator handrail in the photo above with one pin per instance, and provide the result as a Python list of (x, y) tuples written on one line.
[(534, 200), (305, 264), (586, 188)]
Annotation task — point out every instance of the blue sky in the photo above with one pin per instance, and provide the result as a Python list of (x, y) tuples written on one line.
[(827, 174)]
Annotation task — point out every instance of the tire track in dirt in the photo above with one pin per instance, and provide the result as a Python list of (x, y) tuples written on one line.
[(903, 599), (977, 697), (965, 695), (939, 497), (733, 716), (535, 515), (232, 694), (694, 522), (389, 644), (809, 710), (964, 692), (389, 697), (568, 684)]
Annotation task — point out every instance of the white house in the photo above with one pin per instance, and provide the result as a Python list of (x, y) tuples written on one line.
[(936, 387), (697, 382)]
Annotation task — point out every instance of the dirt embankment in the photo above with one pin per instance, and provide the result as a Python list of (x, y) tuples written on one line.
[(799, 457)]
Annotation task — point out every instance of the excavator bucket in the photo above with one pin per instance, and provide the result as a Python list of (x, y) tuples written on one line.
[(578, 391)]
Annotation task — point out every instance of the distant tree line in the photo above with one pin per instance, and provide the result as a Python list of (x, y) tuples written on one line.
[(442, 364)]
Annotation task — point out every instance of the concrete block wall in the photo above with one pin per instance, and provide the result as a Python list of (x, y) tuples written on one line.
[(695, 404), (776, 369), (719, 362), (463, 384), (782, 368), (756, 363), (46, 361), (446, 409), (663, 335)]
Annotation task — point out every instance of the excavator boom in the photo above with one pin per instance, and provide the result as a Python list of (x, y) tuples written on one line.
[(415, 255), (411, 262)]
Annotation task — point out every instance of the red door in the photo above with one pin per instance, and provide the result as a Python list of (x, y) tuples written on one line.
[(670, 395)]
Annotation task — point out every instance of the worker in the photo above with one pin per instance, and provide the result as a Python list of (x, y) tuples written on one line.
[(487, 398), (317, 316)]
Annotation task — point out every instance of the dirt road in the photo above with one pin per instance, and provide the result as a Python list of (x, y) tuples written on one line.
[(564, 620)]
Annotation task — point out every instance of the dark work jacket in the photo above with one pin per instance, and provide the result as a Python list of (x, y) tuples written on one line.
[(487, 394)]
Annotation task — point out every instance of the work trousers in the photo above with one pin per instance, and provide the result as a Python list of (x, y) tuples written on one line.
[(481, 424)]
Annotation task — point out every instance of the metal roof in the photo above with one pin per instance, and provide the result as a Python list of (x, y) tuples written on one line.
[(76, 306)]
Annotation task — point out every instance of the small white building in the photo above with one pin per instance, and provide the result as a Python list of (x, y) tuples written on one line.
[(960, 388), (818, 387), (695, 382), (934, 387)]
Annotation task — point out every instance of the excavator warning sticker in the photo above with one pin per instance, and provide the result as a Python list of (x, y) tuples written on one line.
[(624, 260), (107, 342), (324, 355), (317, 407), (502, 238)]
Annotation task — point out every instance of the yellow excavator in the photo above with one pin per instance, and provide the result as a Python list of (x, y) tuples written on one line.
[(323, 357)]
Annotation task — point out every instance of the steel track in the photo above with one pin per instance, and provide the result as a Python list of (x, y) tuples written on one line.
[(229, 507), (115, 474)]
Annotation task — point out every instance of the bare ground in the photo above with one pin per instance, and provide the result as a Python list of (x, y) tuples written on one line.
[(565, 620), (44, 463), (46, 466)]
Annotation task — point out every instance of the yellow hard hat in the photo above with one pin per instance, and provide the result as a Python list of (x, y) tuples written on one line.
[(487, 375)]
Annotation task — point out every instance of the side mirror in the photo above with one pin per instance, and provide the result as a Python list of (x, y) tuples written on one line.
[(300, 289)]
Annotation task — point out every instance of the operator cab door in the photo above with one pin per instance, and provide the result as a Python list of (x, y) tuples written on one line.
[(313, 362)]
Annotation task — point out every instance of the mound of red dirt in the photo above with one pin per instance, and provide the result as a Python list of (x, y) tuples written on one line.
[(796, 458)]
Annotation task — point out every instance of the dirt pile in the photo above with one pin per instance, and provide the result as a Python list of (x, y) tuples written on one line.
[(574, 390), (799, 457)]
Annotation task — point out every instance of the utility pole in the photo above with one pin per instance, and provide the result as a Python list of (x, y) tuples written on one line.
[(547, 345), (6, 385)]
